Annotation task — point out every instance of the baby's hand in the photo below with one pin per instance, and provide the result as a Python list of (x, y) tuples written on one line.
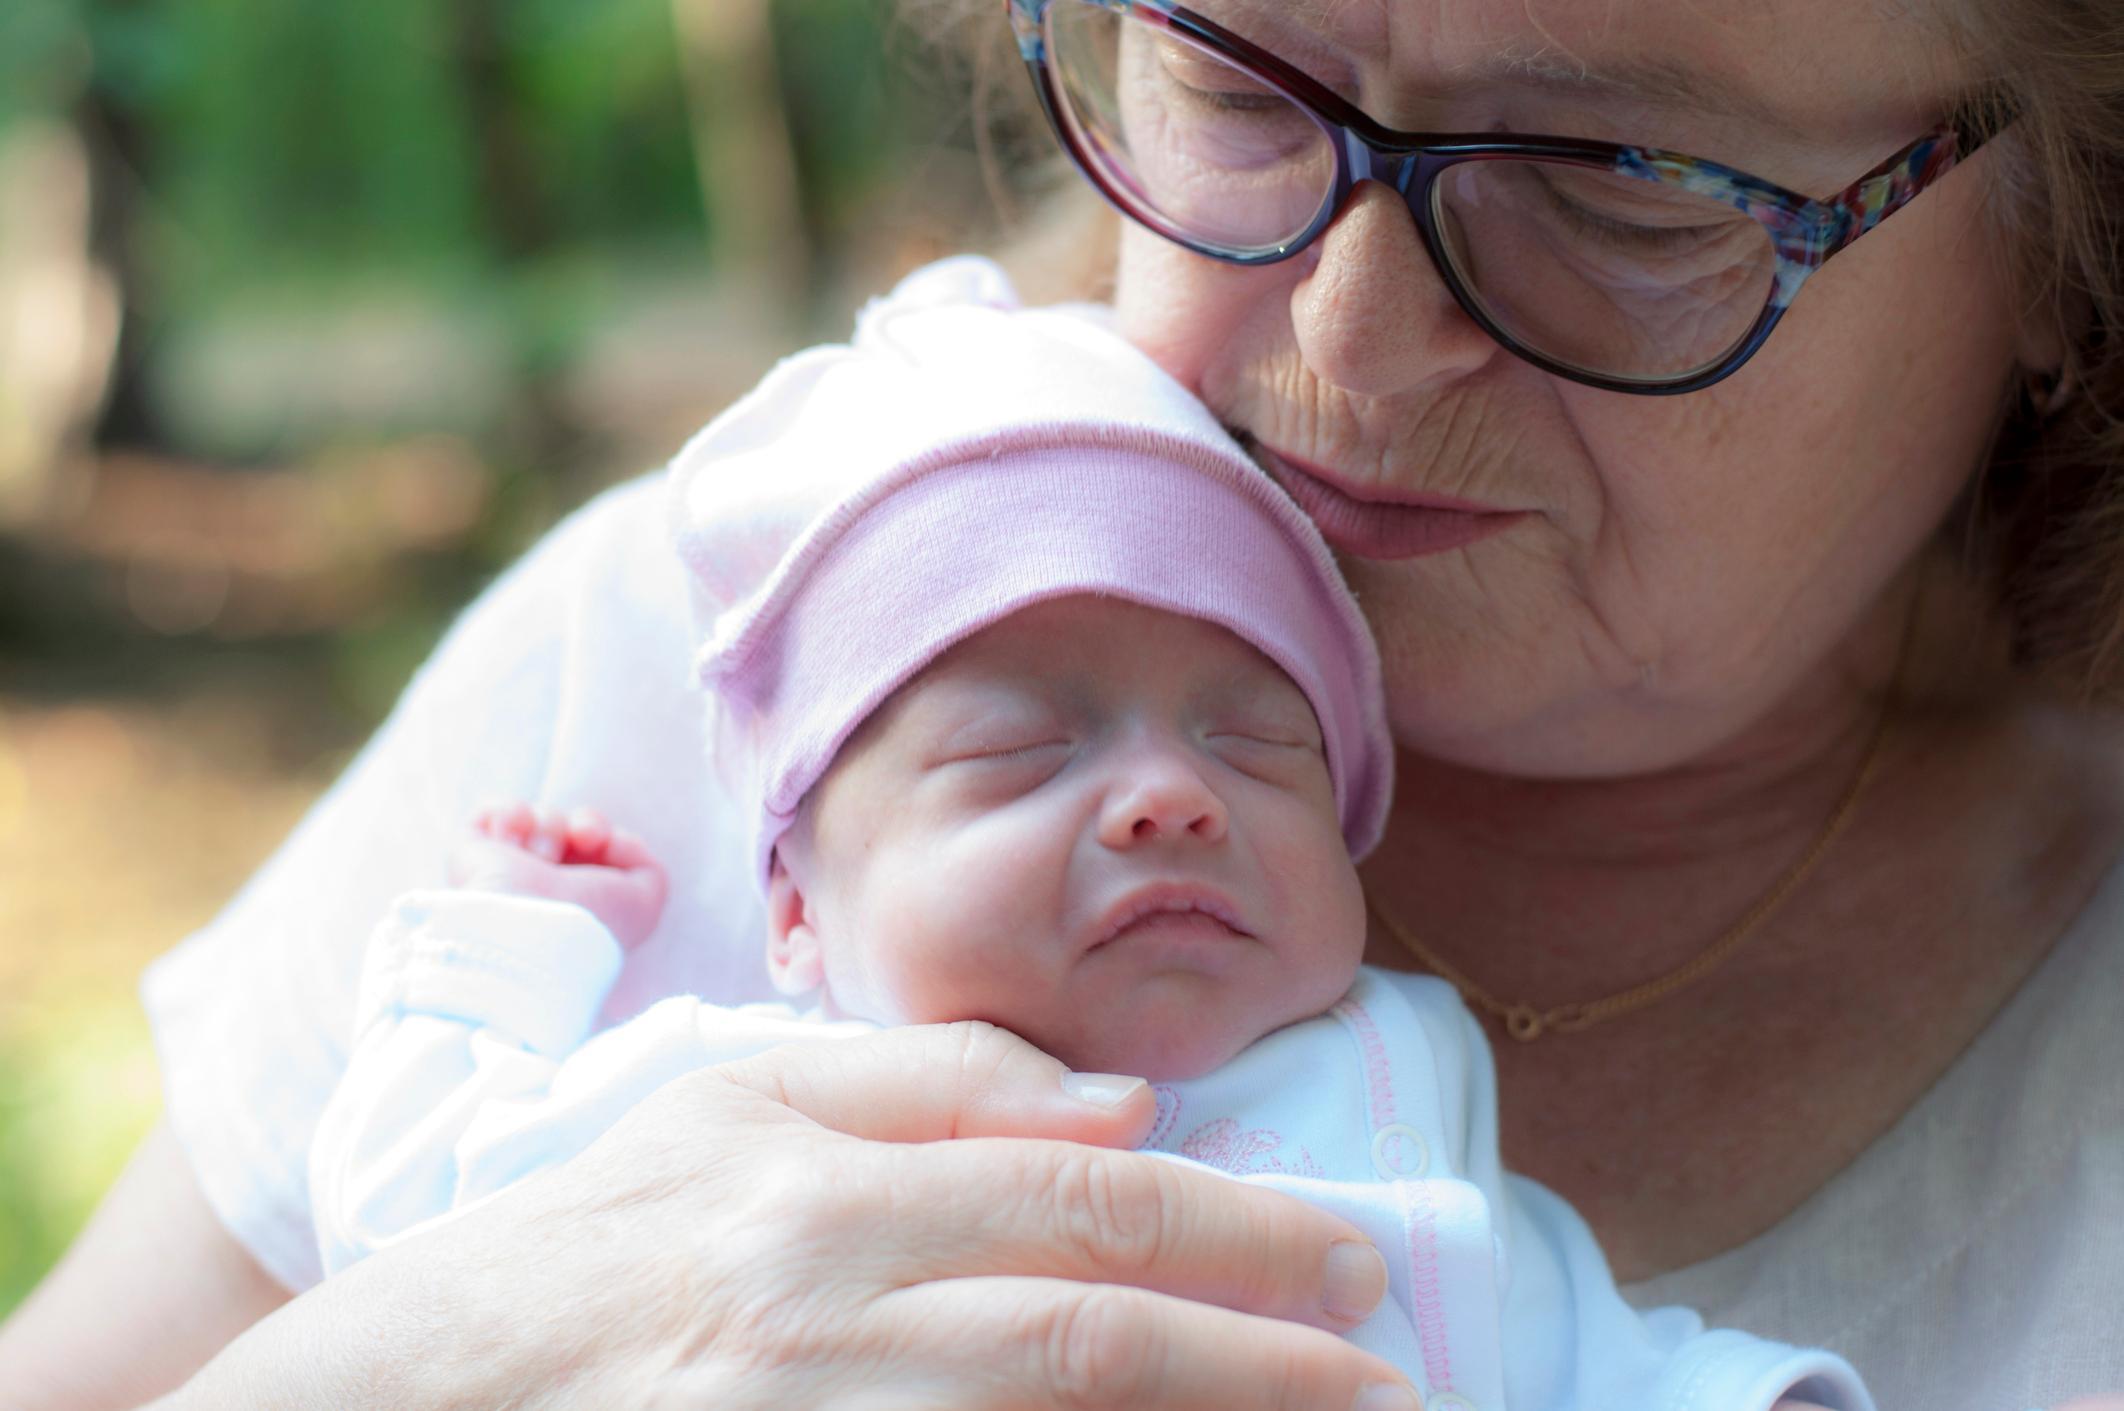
[(577, 858)]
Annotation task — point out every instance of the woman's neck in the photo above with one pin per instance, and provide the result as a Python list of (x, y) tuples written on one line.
[(1562, 889), (1990, 816), (1556, 890)]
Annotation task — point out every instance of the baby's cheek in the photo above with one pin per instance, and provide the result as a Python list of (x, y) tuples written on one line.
[(924, 958), (1323, 899)]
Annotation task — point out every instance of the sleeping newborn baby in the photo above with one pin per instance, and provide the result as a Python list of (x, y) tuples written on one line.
[(1048, 709)]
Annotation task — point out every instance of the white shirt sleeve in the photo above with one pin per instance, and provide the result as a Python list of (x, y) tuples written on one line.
[(1663, 1359), (566, 684), (470, 1071)]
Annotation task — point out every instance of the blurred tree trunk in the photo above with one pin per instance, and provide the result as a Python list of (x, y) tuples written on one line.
[(120, 155), (511, 187), (59, 313), (517, 215), (742, 146)]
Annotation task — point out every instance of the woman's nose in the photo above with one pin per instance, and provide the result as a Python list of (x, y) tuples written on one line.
[(1160, 796), (1372, 316)]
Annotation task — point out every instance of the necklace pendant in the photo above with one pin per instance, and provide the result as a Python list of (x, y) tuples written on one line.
[(1524, 1023)]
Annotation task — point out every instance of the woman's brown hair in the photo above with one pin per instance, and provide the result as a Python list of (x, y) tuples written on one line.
[(2044, 523), (2046, 519)]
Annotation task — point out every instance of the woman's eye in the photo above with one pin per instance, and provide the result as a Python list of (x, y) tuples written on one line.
[(1214, 87), (1659, 238), (1640, 225), (1232, 100)]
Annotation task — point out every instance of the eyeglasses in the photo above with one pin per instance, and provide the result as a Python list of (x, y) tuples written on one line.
[(1626, 268)]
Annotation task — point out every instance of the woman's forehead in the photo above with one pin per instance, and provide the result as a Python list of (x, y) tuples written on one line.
[(1807, 69)]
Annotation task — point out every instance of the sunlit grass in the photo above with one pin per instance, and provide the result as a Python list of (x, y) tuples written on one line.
[(77, 1090)]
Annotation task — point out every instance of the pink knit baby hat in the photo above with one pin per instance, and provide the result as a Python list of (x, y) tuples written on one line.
[(870, 504)]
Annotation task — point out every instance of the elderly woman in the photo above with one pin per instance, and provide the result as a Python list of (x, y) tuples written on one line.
[(1735, 526)]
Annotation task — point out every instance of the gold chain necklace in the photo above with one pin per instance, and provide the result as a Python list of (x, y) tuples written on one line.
[(1526, 1023)]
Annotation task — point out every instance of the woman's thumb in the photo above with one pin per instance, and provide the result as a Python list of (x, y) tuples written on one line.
[(930, 1082)]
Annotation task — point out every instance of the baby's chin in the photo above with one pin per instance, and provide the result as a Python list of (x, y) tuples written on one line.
[(1178, 1028), (1157, 1053)]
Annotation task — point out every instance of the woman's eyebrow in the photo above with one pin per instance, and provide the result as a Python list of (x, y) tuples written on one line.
[(1546, 68), (1651, 81)]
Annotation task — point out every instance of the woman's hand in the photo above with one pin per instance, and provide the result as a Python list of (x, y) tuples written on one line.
[(791, 1231)]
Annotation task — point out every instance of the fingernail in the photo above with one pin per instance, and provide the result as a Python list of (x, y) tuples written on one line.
[(1387, 1396), (1101, 1089), (1356, 1280)]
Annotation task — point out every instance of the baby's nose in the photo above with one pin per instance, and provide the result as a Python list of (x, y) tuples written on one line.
[(1161, 797)]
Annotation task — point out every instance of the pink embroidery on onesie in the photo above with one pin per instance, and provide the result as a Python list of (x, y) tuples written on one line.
[(1224, 1145), (1168, 1114)]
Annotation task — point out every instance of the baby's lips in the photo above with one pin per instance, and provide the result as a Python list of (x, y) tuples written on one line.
[(1174, 898)]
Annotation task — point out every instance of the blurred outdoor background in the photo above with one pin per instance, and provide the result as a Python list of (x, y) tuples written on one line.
[(311, 316)]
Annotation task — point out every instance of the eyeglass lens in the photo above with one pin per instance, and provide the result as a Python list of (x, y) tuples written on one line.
[(1608, 273)]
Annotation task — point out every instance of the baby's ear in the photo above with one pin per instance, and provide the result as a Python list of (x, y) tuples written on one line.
[(794, 960)]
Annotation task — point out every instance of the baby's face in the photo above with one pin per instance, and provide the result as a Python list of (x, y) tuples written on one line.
[(1106, 828)]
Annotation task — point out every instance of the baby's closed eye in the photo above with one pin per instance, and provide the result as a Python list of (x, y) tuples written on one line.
[(1275, 736), (1270, 724), (1005, 752), (998, 760), (1284, 761), (998, 737)]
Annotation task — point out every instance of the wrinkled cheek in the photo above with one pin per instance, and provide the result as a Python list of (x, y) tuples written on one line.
[(1194, 317), (1156, 308)]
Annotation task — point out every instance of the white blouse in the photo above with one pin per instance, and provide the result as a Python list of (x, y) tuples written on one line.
[(1973, 1257)]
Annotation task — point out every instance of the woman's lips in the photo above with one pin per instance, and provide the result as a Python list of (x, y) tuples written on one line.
[(1403, 528)]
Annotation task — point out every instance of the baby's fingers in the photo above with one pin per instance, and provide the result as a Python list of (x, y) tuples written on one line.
[(626, 851), (507, 821), (588, 837), (1053, 1343), (547, 837)]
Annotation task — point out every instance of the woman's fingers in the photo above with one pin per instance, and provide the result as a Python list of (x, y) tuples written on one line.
[(719, 1248), (1073, 1212), (1075, 1346), (1060, 1209), (933, 1082)]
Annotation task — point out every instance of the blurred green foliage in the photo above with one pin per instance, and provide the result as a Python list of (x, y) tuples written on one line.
[(501, 162), (326, 142)]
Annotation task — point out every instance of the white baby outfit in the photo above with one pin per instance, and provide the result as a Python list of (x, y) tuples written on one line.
[(470, 1071)]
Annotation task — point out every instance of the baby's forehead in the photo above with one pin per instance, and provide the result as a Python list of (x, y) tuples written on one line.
[(1075, 660), (1082, 647), (1070, 664)]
